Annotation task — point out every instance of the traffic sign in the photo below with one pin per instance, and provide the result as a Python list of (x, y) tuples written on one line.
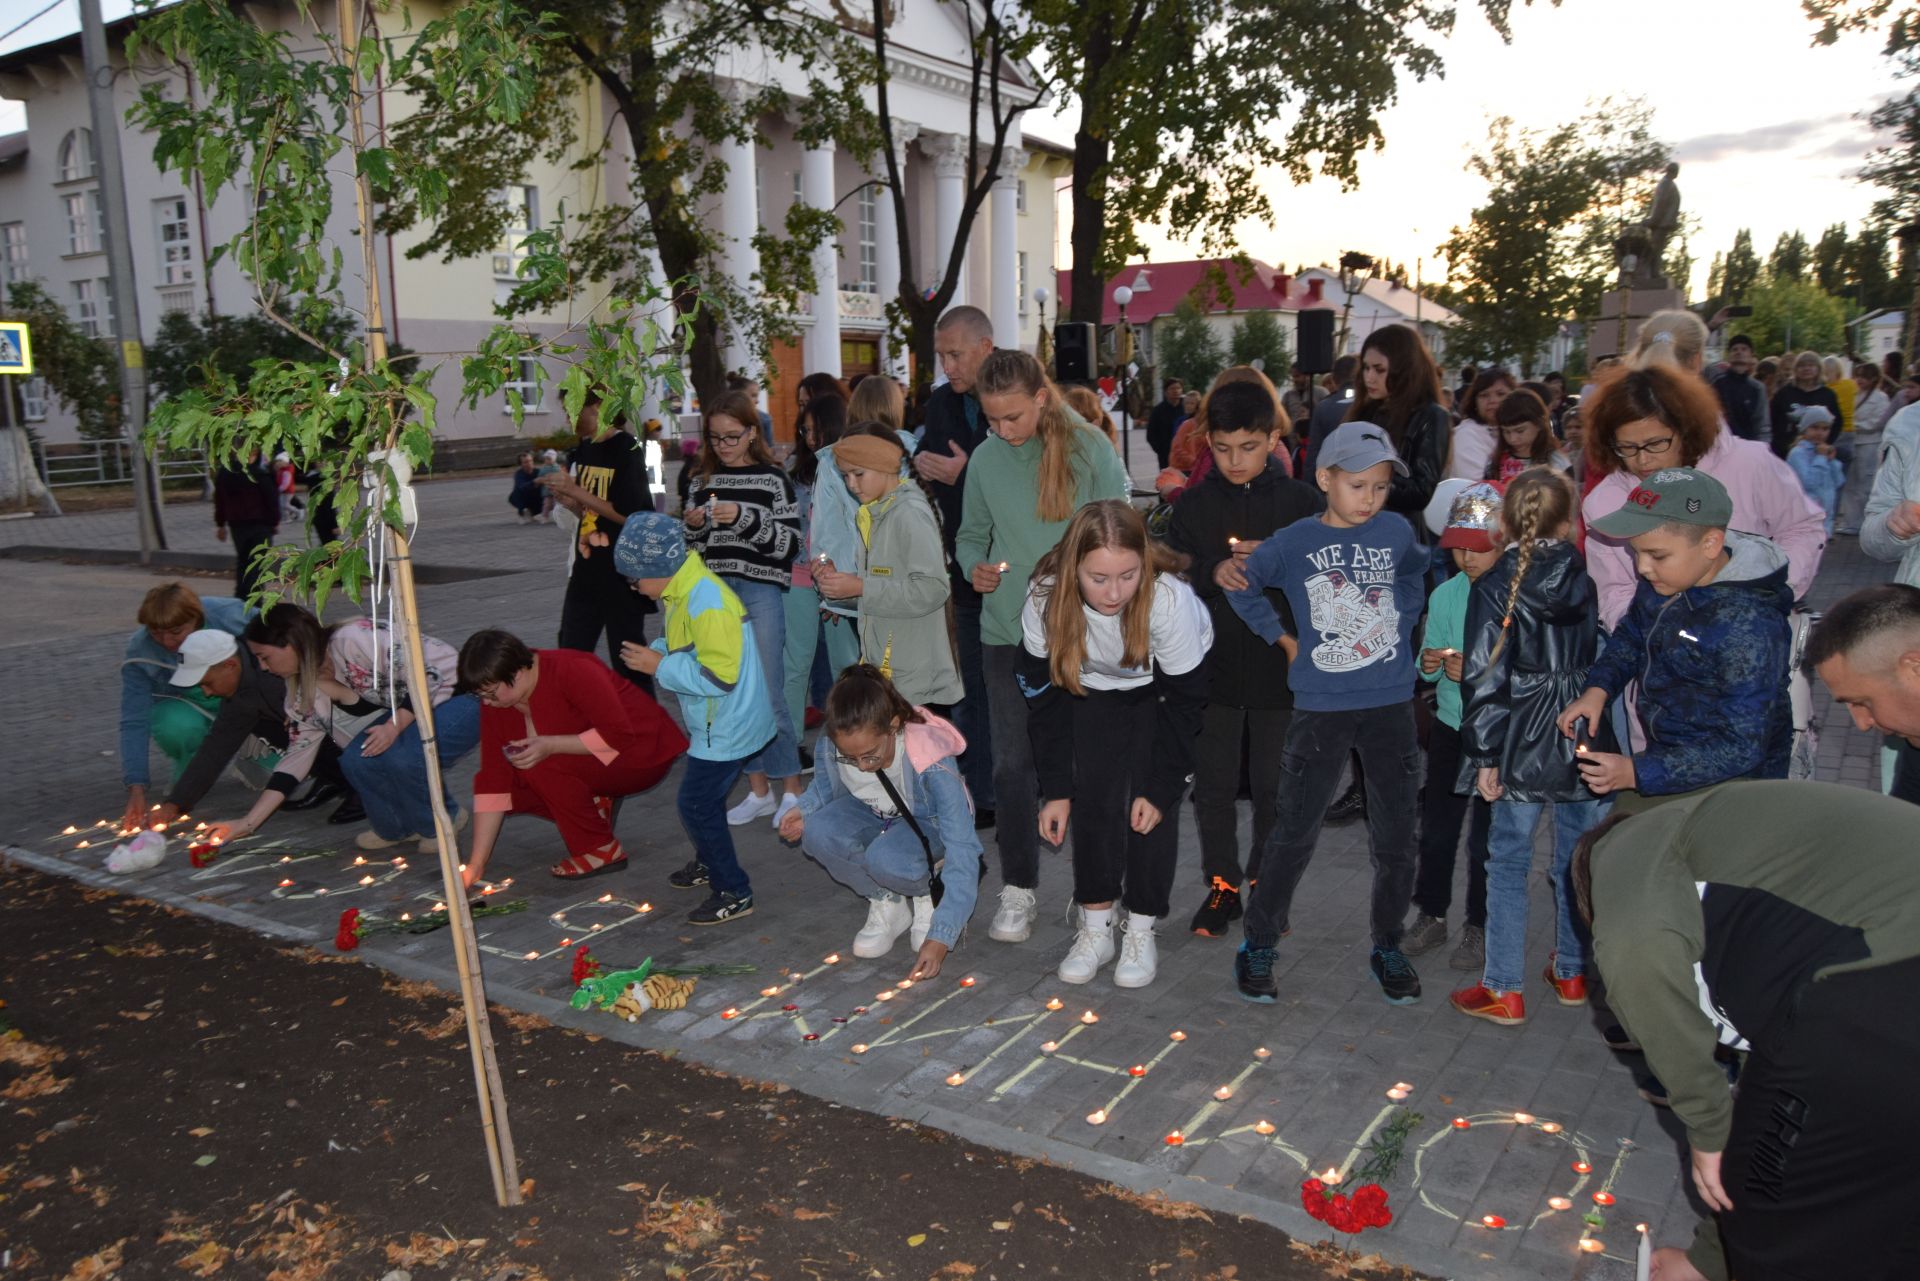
[(16, 349)]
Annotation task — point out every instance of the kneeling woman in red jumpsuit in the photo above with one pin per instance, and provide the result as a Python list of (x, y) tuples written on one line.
[(561, 738)]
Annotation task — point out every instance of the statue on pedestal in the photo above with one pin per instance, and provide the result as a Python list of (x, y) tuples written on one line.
[(1641, 247)]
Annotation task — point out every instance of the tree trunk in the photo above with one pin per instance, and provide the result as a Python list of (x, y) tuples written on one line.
[(1090, 155), (19, 478)]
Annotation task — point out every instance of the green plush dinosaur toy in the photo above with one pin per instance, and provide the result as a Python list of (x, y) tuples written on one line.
[(604, 989)]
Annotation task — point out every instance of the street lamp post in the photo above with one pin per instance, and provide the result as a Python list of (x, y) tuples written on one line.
[(1043, 346), (1123, 353)]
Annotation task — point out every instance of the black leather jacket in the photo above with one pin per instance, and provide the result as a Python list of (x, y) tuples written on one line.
[(1512, 702), (1423, 448)]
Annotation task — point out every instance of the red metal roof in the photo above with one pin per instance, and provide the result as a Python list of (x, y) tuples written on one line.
[(1171, 283)]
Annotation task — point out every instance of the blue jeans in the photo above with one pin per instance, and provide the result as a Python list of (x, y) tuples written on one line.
[(803, 644), (703, 813), (1509, 860), (393, 785), (767, 615), (868, 854)]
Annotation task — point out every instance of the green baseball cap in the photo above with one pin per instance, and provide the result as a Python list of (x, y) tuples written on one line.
[(1673, 494)]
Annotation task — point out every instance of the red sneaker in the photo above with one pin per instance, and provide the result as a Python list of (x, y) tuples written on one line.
[(1571, 991), (1508, 1009), (815, 718)]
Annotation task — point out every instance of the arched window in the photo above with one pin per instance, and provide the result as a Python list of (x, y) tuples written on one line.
[(76, 155)]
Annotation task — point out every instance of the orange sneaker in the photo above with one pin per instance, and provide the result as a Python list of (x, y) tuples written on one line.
[(1508, 1009), (1571, 991)]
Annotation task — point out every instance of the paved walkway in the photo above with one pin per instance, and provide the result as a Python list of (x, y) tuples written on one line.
[(996, 1049)]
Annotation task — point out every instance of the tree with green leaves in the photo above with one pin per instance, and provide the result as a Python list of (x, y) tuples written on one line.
[(1743, 267), (1188, 347), (1183, 104), (1540, 249), (82, 373), (1259, 337), (1790, 256), (663, 65), (1791, 314), (1830, 258), (190, 348)]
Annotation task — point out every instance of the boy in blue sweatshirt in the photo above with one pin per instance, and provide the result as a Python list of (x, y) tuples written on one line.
[(1355, 575)]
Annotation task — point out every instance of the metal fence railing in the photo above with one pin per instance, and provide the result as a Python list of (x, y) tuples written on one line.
[(109, 463)]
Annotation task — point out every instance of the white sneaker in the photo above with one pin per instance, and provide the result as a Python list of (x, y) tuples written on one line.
[(752, 807), (1139, 955), (922, 920), (788, 803), (1014, 921), (886, 918), (372, 840), (431, 844), (1092, 948)]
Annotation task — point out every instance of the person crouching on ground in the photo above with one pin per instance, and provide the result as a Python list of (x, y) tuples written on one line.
[(887, 806), (708, 660), (152, 709), (1113, 668)]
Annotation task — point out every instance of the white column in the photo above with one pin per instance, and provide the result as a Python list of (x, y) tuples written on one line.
[(1003, 298), (886, 230), (949, 193), (739, 222), (821, 345)]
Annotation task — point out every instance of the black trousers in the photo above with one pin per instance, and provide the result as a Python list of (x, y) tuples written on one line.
[(1906, 770), (1110, 860), (596, 605), (1216, 785), (970, 714), (1440, 817), (1820, 1165), (247, 539), (1316, 752)]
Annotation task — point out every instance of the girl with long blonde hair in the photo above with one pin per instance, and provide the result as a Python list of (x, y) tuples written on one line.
[(1023, 483), (1113, 652), (1533, 629)]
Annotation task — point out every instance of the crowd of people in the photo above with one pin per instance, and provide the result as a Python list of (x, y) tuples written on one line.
[(1585, 612)]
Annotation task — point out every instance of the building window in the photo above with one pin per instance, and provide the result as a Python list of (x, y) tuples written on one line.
[(77, 157), (175, 240), (523, 219), (86, 229), (869, 278), (86, 307), (526, 381), (1023, 282), (1020, 196), (13, 253), (33, 400)]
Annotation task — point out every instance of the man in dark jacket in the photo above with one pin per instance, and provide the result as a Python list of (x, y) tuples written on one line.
[(1329, 413), (1743, 399), (247, 503), (253, 705), (1217, 524), (953, 427), (1164, 421)]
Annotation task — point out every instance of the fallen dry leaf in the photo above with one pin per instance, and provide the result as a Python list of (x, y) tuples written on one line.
[(805, 1215), (101, 1263), (201, 1131), (206, 1261)]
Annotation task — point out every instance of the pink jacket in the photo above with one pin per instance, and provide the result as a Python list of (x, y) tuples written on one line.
[(928, 741), (1767, 500)]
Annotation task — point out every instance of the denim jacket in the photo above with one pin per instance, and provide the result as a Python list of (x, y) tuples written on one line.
[(938, 798)]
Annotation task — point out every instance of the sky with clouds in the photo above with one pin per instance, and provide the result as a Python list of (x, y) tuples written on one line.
[(1769, 131)]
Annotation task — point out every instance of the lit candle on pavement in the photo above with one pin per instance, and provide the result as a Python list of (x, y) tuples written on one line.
[(1493, 1221), (1263, 1127), (1097, 1117)]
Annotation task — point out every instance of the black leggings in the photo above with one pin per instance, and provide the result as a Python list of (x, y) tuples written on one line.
[(1820, 1165), (1113, 734)]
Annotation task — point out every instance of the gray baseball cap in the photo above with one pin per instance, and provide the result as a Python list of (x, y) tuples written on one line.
[(1675, 494), (1358, 446)]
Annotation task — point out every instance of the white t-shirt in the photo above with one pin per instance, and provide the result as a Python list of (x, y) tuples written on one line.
[(867, 787), (1473, 445), (1181, 634)]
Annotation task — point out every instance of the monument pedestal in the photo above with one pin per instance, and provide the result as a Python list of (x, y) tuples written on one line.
[(1622, 312)]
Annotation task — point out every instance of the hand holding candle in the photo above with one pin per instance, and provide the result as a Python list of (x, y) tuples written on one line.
[(986, 576)]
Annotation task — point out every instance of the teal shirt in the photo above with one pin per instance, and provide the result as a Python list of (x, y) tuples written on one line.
[(1000, 521), (1447, 629)]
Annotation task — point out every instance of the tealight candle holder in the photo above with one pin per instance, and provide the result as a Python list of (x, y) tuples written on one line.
[(1263, 1127), (1097, 1117), (1493, 1221)]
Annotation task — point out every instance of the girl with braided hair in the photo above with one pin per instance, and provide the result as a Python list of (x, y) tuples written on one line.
[(1532, 631)]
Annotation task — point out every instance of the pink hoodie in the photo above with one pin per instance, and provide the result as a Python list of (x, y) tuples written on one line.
[(1767, 500), (928, 742)]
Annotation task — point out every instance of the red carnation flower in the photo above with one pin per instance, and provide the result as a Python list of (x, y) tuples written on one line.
[(584, 966), (347, 936), (1365, 1208), (201, 853)]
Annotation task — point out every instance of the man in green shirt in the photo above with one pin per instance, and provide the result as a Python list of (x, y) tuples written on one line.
[(1780, 919)]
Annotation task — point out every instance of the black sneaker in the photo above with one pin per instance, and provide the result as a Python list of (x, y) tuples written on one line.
[(1221, 909), (982, 819), (1398, 982), (690, 877), (1618, 1040), (720, 908), (348, 811), (1653, 1092), (1351, 805), (1425, 934), (1253, 971)]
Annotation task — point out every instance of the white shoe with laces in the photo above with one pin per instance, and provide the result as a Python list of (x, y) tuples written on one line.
[(1014, 921), (752, 807), (886, 918), (1139, 954), (922, 920), (1092, 948)]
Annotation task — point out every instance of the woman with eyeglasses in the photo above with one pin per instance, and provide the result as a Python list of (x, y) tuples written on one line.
[(1656, 415), (743, 517)]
